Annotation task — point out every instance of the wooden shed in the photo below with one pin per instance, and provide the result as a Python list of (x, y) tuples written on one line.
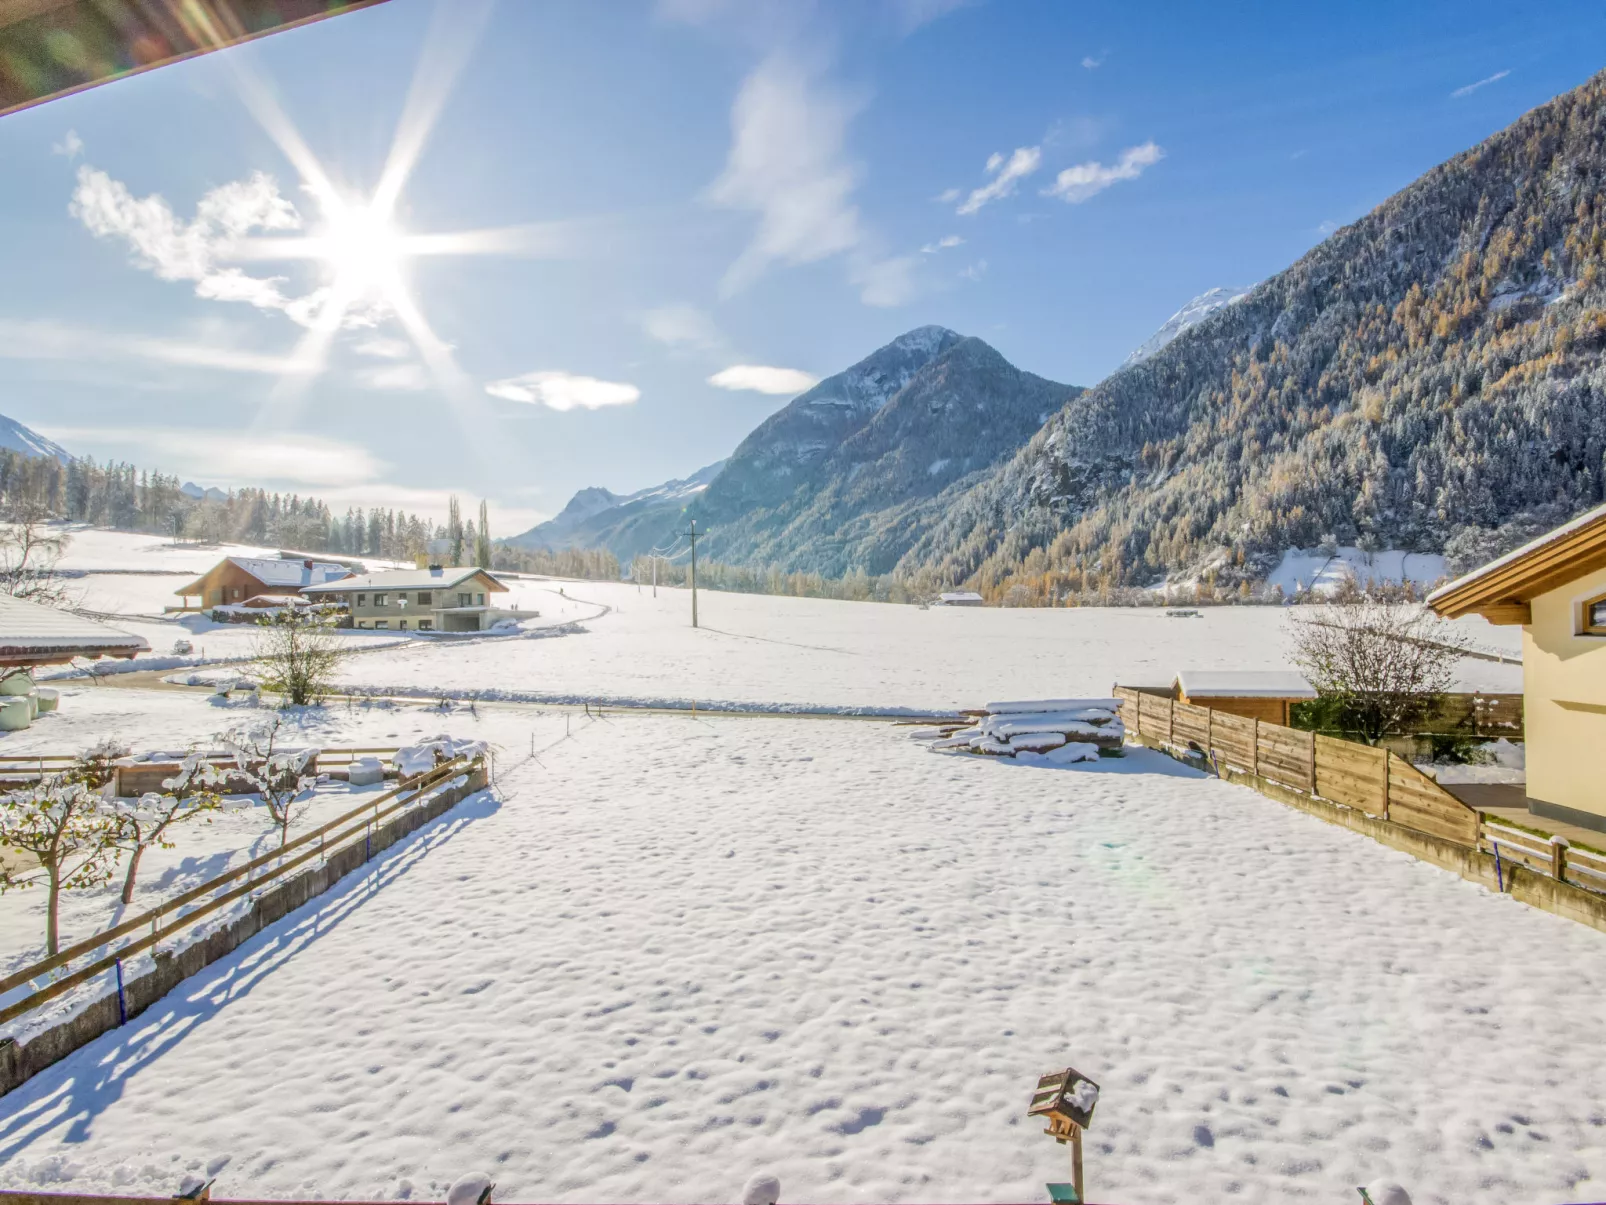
[(1254, 694)]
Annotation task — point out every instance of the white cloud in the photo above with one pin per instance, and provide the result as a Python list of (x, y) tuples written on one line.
[(1076, 184), (239, 458), (786, 166), (408, 378), (1092, 63), (949, 195), (974, 271), (382, 348), (51, 341), (887, 282), (176, 250), (1469, 89), (563, 391), (760, 378), (1006, 176), (1327, 227), (683, 326), (942, 244), (70, 145)]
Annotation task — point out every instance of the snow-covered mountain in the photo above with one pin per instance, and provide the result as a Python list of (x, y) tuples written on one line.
[(210, 494), (1195, 312), (626, 524), (845, 475), (17, 438)]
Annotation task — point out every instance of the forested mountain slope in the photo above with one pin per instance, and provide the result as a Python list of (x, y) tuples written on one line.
[(1428, 378), (849, 473)]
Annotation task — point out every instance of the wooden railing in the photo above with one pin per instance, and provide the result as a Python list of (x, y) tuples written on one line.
[(1550, 856), (166, 919), (1370, 780), (22, 770)]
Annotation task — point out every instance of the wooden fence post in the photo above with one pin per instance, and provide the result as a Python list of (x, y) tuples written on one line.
[(1313, 763), (1558, 861), (1210, 733), (1171, 722), (1254, 747), (1388, 767)]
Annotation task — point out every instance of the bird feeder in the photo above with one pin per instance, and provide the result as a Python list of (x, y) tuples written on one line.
[(1067, 1099)]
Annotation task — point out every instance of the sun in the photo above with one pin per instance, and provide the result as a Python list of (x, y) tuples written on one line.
[(364, 248)]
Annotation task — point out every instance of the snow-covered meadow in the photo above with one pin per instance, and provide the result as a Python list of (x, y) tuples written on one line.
[(676, 952)]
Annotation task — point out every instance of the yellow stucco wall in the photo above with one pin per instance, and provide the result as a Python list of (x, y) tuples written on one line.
[(1564, 684)]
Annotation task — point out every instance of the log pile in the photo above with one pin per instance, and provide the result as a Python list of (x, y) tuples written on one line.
[(1054, 730)]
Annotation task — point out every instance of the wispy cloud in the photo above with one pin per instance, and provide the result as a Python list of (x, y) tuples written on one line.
[(1326, 228), (1076, 184), (942, 244), (949, 195), (410, 377), (1469, 89), (70, 145), (786, 165), (887, 283), (52, 341), (761, 378), (683, 327), (178, 250), (563, 391), (1093, 64), (382, 348), (975, 271), (1006, 177)]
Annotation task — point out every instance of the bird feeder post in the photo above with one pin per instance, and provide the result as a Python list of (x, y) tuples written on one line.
[(1066, 1098)]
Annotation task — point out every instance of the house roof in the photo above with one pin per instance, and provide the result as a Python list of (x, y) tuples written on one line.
[(31, 634), (408, 579), (1511, 581), (960, 596), (1244, 684), (271, 571)]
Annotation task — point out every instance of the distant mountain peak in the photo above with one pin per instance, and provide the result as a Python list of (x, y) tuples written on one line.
[(1190, 315), (17, 438)]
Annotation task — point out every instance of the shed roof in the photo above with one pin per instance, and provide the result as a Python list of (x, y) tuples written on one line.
[(408, 579), (272, 571), (960, 596), (1244, 684), (1554, 559), (31, 634)]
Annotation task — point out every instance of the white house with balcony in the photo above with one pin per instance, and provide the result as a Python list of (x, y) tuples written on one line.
[(460, 599)]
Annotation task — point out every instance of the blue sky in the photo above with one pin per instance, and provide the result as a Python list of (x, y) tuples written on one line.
[(685, 211)]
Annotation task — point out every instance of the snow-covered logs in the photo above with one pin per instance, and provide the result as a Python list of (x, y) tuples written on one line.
[(1058, 730)]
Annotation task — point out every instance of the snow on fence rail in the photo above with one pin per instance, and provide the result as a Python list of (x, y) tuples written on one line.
[(1373, 781), (134, 778)]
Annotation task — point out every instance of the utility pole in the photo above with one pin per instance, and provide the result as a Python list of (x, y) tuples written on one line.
[(693, 534), (655, 575)]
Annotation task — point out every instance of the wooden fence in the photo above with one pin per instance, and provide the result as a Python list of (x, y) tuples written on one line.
[(23, 770), (1370, 780), (168, 917), (1550, 856)]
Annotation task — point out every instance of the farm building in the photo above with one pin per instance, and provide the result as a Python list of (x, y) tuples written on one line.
[(420, 600), (34, 635), (237, 580), (960, 598), (1555, 587), (1255, 694)]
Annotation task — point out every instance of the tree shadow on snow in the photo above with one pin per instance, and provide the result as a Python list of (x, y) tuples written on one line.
[(87, 1082)]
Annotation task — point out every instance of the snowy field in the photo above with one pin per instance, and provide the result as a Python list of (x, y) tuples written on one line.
[(677, 952), (800, 652)]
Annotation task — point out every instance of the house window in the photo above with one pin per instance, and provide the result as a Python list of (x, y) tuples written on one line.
[(425, 625), (381, 623), (465, 600), (402, 626), (425, 598), (1594, 617), (401, 598), (362, 600), (379, 600), (479, 600)]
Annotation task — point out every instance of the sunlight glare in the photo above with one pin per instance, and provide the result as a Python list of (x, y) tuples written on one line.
[(364, 248)]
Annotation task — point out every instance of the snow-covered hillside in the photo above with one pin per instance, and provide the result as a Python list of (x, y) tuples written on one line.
[(1301, 570), (1190, 315), (677, 952)]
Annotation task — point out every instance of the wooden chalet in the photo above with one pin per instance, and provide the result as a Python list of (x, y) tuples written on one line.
[(258, 581)]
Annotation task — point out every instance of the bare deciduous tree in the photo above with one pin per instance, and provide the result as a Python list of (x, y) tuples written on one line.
[(189, 794), (67, 834), (30, 549), (1387, 666), (277, 774), (297, 654)]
